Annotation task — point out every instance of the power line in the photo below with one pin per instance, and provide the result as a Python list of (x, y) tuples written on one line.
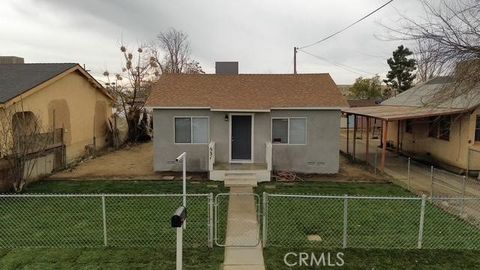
[(345, 67), (352, 24)]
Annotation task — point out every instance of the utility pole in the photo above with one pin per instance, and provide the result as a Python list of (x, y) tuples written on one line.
[(295, 49)]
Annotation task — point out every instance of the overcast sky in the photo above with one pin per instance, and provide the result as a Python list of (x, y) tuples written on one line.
[(258, 34)]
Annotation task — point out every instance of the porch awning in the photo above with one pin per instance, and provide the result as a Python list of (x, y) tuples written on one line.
[(393, 113)]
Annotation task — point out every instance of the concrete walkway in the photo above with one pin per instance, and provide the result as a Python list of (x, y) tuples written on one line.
[(243, 247), (420, 181)]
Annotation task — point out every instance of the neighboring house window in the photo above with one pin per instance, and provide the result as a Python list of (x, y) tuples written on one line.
[(409, 126), (439, 127), (477, 129), (289, 130), (432, 127), (191, 130), (444, 128)]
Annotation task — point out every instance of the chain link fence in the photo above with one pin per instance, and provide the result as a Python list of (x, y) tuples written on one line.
[(370, 222), (416, 176), (94, 220)]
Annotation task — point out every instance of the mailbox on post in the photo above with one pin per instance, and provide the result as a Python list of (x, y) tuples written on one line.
[(179, 217), (177, 221)]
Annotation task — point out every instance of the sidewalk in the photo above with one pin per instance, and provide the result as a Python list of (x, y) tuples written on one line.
[(243, 247)]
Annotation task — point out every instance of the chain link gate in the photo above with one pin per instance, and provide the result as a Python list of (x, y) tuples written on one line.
[(237, 220)]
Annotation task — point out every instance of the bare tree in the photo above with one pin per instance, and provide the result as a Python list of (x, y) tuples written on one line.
[(175, 48), (428, 66), (22, 141), (450, 37), (131, 88)]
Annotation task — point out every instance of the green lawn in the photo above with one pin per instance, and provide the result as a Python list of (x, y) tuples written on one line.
[(371, 223), (77, 221), (382, 258), (138, 229), (144, 223), (123, 187), (108, 258)]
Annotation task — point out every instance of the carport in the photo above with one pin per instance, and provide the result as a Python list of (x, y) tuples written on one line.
[(387, 114)]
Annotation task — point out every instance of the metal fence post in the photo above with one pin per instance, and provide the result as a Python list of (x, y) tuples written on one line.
[(264, 218), (422, 222), (345, 221), (463, 193), (431, 180), (408, 173), (104, 216), (210, 220)]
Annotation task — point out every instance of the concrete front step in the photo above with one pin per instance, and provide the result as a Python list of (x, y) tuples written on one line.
[(260, 176), (240, 179), (240, 182)]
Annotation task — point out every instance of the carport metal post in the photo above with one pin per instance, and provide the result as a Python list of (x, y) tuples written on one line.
[(348, 133), (384, 145), (354, 135), (367, 142)]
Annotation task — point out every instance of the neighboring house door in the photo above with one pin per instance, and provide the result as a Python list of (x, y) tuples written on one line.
[(241, 138)]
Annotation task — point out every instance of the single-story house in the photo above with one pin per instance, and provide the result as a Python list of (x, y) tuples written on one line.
[(64, 98), (428, 122), (230, 123)]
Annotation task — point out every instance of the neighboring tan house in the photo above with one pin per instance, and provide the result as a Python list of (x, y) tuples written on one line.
[(425, 123), (64, 98), (231, 124)]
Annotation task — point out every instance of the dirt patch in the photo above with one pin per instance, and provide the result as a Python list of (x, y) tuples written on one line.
[(136, 163), (129, 163), (349, 172)]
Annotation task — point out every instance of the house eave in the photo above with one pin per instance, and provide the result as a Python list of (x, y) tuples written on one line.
[(176, 108), (240, 110), (309, 108), (244, 110)]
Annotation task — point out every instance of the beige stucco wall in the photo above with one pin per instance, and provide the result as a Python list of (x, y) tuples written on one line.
[(73, 103), (474, 154), (454, 152)]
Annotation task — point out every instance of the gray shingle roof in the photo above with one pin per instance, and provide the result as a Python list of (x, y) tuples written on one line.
[(16, 79), (440, 92)]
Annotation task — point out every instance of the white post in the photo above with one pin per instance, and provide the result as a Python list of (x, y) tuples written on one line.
[(264, 219), (463, 192), (345, 221), (179, 247), (431, 180), (104, 217), (183, 158), (422, 221), (408, 173), (210, 220)]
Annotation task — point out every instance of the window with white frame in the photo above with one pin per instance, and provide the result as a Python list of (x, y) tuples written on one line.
[(191, 129), (289, 130)]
